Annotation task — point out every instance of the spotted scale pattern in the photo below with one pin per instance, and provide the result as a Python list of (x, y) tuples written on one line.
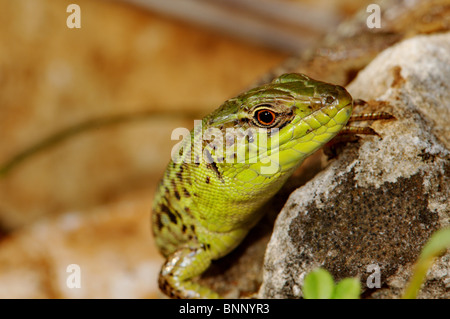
[(210, 197)]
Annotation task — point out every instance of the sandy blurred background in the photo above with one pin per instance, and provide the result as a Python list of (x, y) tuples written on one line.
[(87, 199)]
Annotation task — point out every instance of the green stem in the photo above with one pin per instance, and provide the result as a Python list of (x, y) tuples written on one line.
[(79, 128), (438, 242)]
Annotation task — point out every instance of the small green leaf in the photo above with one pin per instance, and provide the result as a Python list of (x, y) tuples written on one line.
[(318, 284), (348, 288), (438, 242)]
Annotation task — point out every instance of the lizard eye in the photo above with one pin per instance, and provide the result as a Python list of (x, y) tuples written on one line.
[(265, 117)]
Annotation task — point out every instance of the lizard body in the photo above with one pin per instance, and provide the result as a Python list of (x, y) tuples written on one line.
[(209, 198)]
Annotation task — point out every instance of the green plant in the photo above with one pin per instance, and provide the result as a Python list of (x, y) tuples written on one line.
[(436, 245), (319, 283)]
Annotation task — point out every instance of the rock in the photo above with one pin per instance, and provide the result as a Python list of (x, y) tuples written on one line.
[(383, 197), (111, 244)]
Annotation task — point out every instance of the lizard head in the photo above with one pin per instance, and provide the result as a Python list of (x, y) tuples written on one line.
[(277, 125)]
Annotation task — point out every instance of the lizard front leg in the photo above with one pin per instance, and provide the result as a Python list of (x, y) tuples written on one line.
[(178, 270)]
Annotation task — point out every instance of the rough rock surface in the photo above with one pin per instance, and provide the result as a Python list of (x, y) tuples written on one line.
[(381, 199), (111, 244)]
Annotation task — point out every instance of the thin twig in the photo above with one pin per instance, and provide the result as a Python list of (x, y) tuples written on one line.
[(70, 132)]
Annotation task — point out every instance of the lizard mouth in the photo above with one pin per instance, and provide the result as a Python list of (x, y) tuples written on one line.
[(299, 138), (310, 134)]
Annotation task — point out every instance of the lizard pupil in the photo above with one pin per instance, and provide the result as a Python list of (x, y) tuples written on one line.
[(265, 117)]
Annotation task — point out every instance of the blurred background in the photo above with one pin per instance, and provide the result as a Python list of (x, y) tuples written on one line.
[(86, 116)]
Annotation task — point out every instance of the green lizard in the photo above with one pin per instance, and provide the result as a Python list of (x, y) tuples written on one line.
[(207, 201)]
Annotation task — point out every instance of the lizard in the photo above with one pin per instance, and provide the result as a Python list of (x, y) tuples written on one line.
[(208, 200)]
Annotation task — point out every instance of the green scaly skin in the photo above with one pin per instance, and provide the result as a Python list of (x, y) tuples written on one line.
[(204, 208)]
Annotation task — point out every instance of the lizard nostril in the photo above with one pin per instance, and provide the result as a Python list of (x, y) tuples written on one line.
[(329, 99)]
